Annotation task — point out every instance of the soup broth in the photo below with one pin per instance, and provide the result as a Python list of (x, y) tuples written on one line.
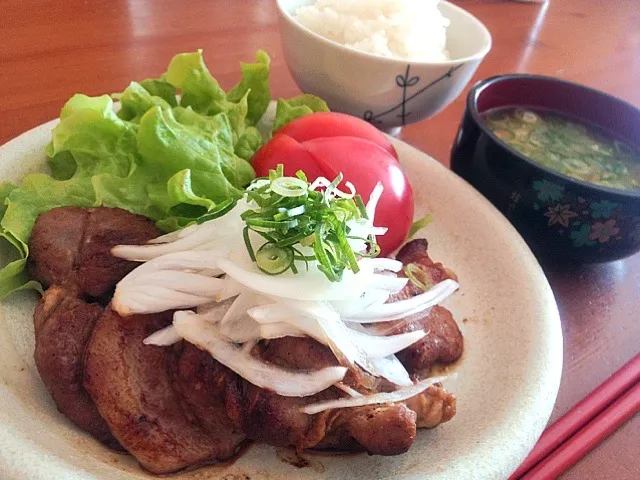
[(567, 147)]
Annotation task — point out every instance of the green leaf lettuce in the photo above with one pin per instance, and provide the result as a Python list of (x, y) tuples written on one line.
[(177, 146)]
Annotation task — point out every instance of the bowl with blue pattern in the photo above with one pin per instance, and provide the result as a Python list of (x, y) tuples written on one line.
[(387, 92), (562, 218)]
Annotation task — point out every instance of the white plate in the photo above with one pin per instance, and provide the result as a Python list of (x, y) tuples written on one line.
[(506, 386)]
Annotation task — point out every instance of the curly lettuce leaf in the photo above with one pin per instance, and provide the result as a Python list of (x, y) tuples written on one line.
[(161, 88), (248, 143), (172, 161), (95, 137), (237, 115), (135, 101), (199, 90), (255, 84), (289, 110), (180, 192), (102, 104), (203, 147), (40, 193), (62, 165)]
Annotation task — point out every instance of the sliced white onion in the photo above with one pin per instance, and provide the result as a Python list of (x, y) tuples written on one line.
[(348, 390), (371, 297), (164, 337), (396, 310), (200, 285), (143, 253), (248, 346), (220, 232), (206, 307), (323, 182), (382, 263), (320, 182), (230, 288), (306, 285), (271, 313), (244, 329), (374, 197), (213, 311), (320, 321), (195, 261), (278, 330), (260, 182), (377, 398), (390, 283), (283, 382), (165, 283), (388, 367), (152, 299), (363, 228), (243, 302), (392, 369)]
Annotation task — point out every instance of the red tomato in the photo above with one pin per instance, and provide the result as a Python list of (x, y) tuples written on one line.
[(364, 164), (285, 150), (332, 124)]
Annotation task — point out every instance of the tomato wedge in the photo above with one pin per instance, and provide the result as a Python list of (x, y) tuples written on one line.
[(282, 149), (332, 124), (327, 144), (365, 164)]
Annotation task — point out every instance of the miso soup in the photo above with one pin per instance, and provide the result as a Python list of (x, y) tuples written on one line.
[(568, 147)]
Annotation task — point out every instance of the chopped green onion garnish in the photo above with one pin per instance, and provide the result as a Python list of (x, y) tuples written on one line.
[(259, 222), (289, 187), (288, 215), (413, 271), (247, 242), (419, 225), (301, 175), (274, 260), (292, 212), (361, 206), (219, 210)]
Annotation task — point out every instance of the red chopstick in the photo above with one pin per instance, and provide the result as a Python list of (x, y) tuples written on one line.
[(581, 414), (567, 454)]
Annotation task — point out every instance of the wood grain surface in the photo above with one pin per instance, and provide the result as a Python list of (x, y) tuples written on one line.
[(50, 50)]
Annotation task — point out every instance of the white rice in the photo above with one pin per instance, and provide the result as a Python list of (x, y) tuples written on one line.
[(404, 29)]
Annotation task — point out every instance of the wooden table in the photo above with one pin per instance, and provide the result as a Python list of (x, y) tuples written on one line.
[(52, 49)]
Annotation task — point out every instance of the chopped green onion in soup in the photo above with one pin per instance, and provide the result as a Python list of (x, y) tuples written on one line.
[(567, 147)]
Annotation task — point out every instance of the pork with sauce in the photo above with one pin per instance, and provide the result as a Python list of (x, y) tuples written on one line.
[(63, 324), (131, 384), (178, 407), (199, 381), (71, 247), (340, 429), (443, 342)]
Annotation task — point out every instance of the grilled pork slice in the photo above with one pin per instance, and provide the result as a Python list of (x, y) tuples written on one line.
[(266, 417), (379, 429), (199, 382), (63, 325), (71, 247), (434, 406), (131, 384), (443, 342), (270, 418)]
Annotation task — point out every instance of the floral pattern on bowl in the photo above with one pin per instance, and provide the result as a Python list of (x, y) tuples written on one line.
[(586, 222)]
